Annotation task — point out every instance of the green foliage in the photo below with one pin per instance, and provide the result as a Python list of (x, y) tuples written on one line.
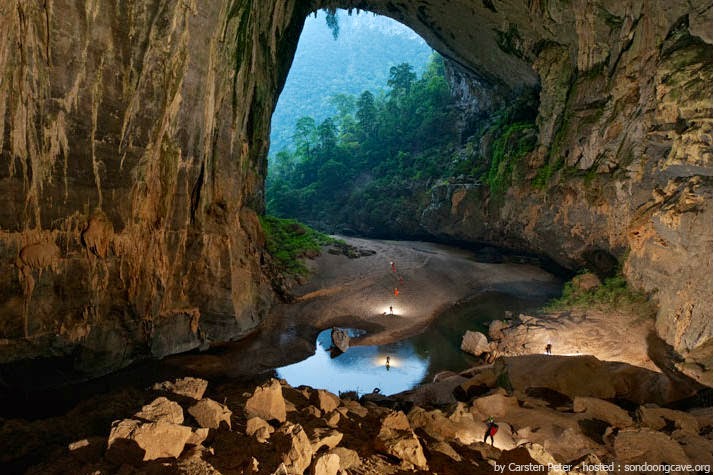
[(372, 158), (614, 293), (511, 146), (287, 241)]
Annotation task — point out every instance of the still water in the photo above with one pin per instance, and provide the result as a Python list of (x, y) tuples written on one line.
[(412, 361)]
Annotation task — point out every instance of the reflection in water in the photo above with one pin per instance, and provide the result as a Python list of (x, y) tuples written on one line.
[(411, 361), (361, 368)]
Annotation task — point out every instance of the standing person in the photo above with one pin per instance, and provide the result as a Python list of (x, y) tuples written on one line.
[(548, 349), (394, 266), (387, 362), (396, 292), (491, 430), (391, 312)]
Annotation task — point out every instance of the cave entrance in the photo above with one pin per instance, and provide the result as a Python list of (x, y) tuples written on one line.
[(364, 108)]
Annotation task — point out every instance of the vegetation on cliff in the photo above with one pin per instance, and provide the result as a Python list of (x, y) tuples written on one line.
[(288, 241)]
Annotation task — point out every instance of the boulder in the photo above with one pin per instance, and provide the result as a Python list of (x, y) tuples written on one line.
[(267, 402), (697, 448), (475, 343), (294, 447), (602, 410), (325, 400), (495, 329), (131, 440), (211, 414), (198, 436), (396, 438), (332, 419), (647, 446), (340, 339), (311, 411), (259, 428), (327, 464), (355, 408), (496, 404), (348, 457), (329, 438), (188, 387), (659, 418), (444, 448), (161, 409)]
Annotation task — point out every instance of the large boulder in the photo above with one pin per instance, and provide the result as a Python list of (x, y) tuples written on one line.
[(603, 410), (211, 414), (496, 404), (340, 339), (267, 402), (327, 464), (324, 400), (348, 457), (475, 343), (187, 387), (396, 438), (647, 446), (329, 438), (294, 447), (255, 426), (658, 418), (132, 441), (161, 410)]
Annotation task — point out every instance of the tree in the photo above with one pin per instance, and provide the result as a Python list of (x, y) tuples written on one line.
[(304, 136), (366, 113), (401, 78)]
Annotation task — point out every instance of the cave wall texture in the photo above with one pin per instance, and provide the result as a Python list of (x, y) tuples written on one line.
[(134, 141)]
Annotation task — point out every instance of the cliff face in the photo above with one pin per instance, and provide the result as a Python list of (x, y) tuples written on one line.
[(134, 136), (133, 139)]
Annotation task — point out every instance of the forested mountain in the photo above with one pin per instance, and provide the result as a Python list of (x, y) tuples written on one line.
[(357, 60)]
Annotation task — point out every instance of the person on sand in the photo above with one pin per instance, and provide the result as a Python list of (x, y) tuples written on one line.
[(491, 430), (548, 349), (394, 266), (396, 292), (391, 312)]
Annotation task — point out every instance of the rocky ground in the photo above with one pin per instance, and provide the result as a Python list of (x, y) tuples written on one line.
[(555, 414)]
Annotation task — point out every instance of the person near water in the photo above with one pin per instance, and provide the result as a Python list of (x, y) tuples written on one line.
[(391, 312), (491, 429), (387, 363), (548, 349)]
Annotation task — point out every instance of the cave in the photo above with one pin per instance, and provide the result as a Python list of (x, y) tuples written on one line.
[(134, 140)]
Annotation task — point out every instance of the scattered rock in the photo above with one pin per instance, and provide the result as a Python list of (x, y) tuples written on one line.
[(211, 414), (294, 446), (475, 343), (325, 400), (396, 438), (311, 411), (161, 409), (496, 404), (355, 408), (327, 464), (267, 402), (444, 448), (495, 329), (132, 441), (348, 457), (646, 446), (188, 387), (259, 428), (332, 419), (603, 410), (659, 418), (340, 339), (198, 436), (329, 438)]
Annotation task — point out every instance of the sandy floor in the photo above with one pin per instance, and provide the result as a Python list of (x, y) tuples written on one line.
[(428, 277)]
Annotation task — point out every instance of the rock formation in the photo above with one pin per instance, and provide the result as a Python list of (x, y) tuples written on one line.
[(551, 430), (134, 138)]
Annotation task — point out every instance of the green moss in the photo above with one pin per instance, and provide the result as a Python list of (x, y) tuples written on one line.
[(288, 240), (613, 294), (513, 143)]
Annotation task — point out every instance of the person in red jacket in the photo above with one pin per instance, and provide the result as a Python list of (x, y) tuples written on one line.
[(491, 430)]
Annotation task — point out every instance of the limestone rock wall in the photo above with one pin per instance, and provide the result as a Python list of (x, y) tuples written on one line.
[(133, 138)]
